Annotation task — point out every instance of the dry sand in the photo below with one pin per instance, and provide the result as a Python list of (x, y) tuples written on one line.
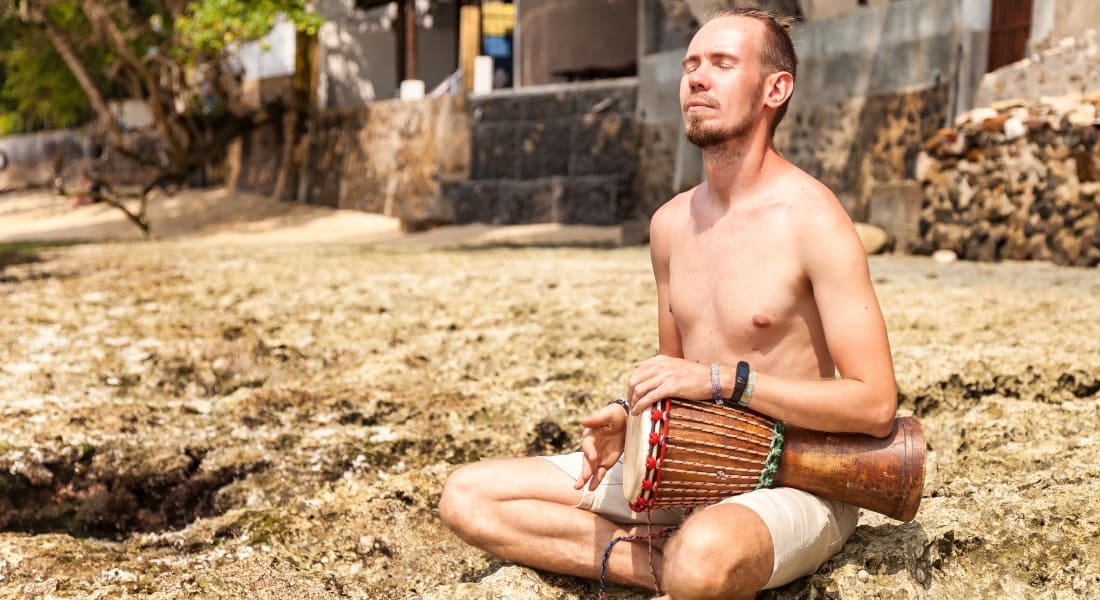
[(223, 217), (201, 418)]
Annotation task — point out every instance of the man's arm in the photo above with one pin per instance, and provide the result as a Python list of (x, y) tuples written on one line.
[(660, 235), (605, 430), (864, 398)]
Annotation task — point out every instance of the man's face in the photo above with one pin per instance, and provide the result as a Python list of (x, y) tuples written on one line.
[(721, 87)]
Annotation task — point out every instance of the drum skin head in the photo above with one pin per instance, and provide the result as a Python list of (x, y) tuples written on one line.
[(634, 452)]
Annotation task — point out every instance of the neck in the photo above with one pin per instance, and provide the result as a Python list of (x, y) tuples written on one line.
[(734, 169)]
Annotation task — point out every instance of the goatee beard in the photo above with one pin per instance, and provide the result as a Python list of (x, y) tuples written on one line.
[(709, 138)]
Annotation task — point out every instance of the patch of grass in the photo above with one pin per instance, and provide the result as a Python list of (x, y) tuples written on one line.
[(21, 253)]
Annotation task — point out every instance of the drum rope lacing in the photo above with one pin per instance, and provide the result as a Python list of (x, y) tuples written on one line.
[(649, 537), (771, 463)]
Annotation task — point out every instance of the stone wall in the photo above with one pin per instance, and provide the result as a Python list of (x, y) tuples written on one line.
[(398, 157), (388, 158), (1018, 182), (1071, 66), (1054, 20), (560, 153), (852, 145), (816, 10), (34, 160), (255, 160), (874, 83)]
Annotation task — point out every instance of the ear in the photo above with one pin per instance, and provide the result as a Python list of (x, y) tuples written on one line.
[(778, 87)]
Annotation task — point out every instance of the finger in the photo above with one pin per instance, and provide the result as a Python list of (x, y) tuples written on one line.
[(586, 473), (595, 483), (597, 419), (647, 400), (588, 449), (641, 372), (645, 389), (588, 456)]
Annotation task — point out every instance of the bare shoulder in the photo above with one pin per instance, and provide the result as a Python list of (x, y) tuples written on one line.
[(812, 217), (671, 213), (817, 210), (816, 203)]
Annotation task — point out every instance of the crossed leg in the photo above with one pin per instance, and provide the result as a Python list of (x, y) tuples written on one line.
[(722, 551), (524, 510)]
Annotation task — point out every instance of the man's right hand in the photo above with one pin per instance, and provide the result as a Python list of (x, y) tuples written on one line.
[(602, 445)]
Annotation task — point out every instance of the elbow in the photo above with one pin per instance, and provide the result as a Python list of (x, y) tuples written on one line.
[(881, 429), (881, 417)]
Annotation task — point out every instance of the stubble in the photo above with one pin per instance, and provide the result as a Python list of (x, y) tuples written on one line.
[(719, 140)]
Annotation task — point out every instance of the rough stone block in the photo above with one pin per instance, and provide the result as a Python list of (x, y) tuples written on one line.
[(874, 239), (896, 207), (552, 105), (541, 199), (491, 109), (508, 205), (604, 145), (525, 202), (544, 148), (494, 152), (589, 201), (634, 231), (656, 169), (620, 99), (472, 201)]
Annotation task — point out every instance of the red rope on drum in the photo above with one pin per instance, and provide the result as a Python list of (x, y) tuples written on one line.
[(658, 438)]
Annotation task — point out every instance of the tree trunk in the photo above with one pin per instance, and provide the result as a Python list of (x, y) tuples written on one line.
[(106, 120)]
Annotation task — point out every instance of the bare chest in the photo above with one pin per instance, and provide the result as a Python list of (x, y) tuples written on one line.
[(742, 293)]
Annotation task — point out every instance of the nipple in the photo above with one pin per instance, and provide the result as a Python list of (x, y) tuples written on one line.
[(761, 320)]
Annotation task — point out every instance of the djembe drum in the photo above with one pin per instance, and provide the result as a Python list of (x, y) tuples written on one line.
[(683, 453)]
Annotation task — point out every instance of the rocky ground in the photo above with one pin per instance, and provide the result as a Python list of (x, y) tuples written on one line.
[(187, 420)]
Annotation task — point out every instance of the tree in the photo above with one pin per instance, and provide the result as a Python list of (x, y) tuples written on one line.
[(37, 90), (174, 55)]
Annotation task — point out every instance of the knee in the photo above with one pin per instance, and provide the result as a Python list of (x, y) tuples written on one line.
[(460, 502), (693, 571), (711, 560)]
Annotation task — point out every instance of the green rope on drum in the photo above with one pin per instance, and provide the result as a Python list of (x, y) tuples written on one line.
[(771, 463)]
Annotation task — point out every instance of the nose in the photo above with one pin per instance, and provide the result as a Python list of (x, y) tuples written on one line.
[(699, 80)]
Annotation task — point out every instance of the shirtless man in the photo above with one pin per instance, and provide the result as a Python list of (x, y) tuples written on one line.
[(760, 264)]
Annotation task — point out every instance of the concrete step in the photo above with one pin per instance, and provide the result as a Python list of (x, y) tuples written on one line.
[(581, 200)]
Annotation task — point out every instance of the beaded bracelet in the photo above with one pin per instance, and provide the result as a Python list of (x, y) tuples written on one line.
[(621, 402), (715, 384)]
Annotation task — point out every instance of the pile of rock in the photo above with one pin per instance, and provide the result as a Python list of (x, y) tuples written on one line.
[(1015, 181)]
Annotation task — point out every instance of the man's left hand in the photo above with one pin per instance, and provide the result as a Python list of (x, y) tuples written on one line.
[(662, 377)]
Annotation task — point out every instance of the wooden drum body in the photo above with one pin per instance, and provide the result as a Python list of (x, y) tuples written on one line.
[(683, 453)]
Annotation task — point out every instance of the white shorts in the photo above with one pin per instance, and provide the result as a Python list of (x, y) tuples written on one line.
[(806, 529)]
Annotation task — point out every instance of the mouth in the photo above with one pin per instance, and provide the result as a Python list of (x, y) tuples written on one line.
[(697, 105)]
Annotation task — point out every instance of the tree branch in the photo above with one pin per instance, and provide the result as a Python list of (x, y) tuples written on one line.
[(105, 119), (107, 29)]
